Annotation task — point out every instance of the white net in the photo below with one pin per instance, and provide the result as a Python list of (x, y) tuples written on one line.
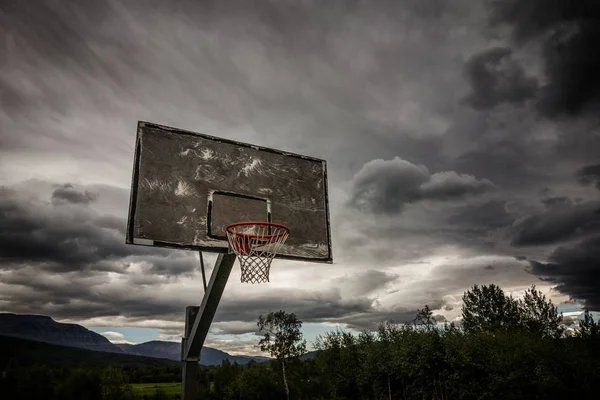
[(256, 244)]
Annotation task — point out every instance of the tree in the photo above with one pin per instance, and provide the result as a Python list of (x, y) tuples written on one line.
[(115, 384), (282, 339), (488, 309), (588, 328), (539, 315), (425, 318)]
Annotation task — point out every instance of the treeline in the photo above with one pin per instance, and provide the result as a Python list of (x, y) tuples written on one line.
[(504, 349)]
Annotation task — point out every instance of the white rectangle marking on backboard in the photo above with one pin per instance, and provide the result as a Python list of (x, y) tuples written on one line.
[(143, 242)]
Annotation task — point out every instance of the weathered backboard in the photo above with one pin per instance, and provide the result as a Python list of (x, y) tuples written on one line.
[(187, 187)]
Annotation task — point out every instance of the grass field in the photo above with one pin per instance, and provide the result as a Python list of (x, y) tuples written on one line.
[(150, 388)]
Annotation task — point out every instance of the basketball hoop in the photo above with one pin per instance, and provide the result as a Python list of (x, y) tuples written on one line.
[(256, 244)]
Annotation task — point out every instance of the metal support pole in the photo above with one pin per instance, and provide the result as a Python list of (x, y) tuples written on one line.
[(200, 324), (189, 386), (202, 268)]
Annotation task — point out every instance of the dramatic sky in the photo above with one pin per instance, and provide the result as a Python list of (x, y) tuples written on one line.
[(462, 141)]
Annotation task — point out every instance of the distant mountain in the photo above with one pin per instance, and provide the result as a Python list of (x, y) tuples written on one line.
[(16, 351), (172, 351), (310, 354), (45, 329), (252, 358), (126, 347)]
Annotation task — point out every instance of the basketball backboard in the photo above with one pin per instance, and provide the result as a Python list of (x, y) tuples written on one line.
[(187, 187)]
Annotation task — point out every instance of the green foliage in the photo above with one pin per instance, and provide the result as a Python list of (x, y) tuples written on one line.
[(282, 338), (115, 384), (157, 391), (538, 314), (487, 309), (588, 329)]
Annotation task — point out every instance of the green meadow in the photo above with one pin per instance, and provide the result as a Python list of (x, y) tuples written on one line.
[(150, 389)]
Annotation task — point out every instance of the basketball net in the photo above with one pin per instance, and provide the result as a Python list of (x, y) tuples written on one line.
[(256, 244)]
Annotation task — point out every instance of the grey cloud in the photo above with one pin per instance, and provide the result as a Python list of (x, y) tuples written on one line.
[(235, 327), (482, 217), (365, 282), (39, 232), (173, 264), (68, 238), (457, 277), (570, 35), (76, 296), (316, 306), (589, 175), (450, 185), (66, 276), (559, 223), (575, 271), (496, 78), (440, 318), (554, 201), (310, 306), (69, 194), (348, 85), (506, 163), (386, 186), (549, 199), (371, 321), (246, 347)]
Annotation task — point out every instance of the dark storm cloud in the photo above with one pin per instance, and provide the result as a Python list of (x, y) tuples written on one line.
[(569, 32), (456, 277), (550, 200), (575, 270), (366, 282), (496, 78), (357, 312), (283, 71), (235, 327), (559, 223), (171, 265), (589, 175), (371, 321), (69, 194), (60, 33), (554, 201), (65, 237), (73, 296), (506, 163), (309, 305), (386, 186), (487, 215)]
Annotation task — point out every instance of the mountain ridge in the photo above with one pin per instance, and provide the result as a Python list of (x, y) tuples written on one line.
[(21, 352), (43, 328)]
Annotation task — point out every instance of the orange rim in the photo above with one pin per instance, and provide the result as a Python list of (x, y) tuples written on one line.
[(230, 230)]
